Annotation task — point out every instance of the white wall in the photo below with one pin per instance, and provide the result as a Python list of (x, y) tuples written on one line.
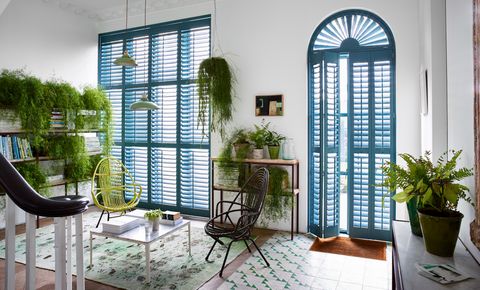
[(460, 97), (48, 42), (267, 44)]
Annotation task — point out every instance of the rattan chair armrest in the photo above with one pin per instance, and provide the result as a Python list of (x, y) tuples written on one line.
[(232, 203)]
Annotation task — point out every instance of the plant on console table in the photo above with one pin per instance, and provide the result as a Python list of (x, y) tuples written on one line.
[(438, 192), (273, 140), (231, 170), (153, 217), (259, 140)]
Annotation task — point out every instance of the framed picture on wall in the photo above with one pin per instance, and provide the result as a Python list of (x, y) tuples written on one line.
[(269, 105)]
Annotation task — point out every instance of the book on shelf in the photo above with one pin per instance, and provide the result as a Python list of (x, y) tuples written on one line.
[(92, 144), (171, 222), (57, 120), (15, 147), (171, 215)]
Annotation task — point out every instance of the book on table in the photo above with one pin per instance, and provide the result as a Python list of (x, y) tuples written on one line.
[(171, 222), (121, 224)]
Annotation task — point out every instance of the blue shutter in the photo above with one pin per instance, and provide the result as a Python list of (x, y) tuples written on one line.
[(331, 146), (324, 145), (164, 176), (315, 117), (163, 149), (371, 145), (194, 152)]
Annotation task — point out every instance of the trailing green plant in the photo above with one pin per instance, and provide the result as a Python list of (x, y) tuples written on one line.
[(277, 201), (435, 185), (153, 214), (34, 176), (215, 89)]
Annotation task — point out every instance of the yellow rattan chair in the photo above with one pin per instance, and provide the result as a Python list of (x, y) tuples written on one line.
[(113, 181)]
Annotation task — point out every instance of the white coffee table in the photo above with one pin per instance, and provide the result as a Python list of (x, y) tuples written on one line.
[(138, 236)]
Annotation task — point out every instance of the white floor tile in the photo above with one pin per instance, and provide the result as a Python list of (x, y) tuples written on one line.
[(324, 284), (348, 286)]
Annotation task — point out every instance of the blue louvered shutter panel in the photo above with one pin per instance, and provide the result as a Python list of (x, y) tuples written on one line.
[(135, 160), (372, 128), (331, 144), (194, 152), (316, 213)]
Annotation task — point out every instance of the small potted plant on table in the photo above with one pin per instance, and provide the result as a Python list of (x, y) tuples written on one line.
[(438, 192), (153, 217)]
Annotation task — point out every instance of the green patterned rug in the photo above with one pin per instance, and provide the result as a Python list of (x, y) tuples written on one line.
[(122, 264)]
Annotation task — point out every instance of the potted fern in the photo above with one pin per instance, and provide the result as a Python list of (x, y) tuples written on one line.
[(258, 138), (438, 191)]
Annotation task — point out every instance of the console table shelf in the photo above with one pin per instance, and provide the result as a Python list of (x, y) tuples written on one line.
[(409, 249), (292, 192)]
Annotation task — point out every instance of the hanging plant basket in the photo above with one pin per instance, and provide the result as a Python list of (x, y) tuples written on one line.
[(215, 88)]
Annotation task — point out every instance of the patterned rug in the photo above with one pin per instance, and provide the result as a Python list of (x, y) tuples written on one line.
[(122, 264)]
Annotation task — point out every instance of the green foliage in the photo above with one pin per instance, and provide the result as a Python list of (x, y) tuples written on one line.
[(259, 136), (436, 185), (273, 138), (153, 214), (34, 176), (34, 100), (215, 88), (277, 200)]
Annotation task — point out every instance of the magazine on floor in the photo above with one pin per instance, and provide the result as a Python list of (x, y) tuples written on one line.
[(441, 273)]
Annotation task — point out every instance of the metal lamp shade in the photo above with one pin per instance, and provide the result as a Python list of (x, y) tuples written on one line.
[(125, 60), (144, 105)]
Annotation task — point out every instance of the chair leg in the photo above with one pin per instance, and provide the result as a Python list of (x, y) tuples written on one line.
[(108, 216), (225, 259), (211, 249), (248, 248), (98, 223), (258, 249)]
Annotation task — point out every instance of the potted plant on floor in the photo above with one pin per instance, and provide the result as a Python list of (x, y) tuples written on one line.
[(438, 193), (153, 218)]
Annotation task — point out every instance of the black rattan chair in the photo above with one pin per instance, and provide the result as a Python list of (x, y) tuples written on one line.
[(241, 215)]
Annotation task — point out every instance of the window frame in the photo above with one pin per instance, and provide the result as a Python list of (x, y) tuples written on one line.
[(149, 32)]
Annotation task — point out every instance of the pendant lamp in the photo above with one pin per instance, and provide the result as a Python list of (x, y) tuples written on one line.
[(125, 59), (144, 104)]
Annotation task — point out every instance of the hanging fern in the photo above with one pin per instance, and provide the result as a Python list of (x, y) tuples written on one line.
[(215, 88)]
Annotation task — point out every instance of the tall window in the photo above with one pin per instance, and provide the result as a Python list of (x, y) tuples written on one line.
[(163, 149), (351, 125)]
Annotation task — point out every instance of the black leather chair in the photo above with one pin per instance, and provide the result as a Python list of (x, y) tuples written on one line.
[(241, 215)]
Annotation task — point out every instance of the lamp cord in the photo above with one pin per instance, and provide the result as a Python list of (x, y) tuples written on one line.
[(126, 16), (145, 20)]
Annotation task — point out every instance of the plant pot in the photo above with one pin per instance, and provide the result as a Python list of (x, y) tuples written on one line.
[(440, 233), (257, 153), (413, 215), (155, 224), (241, 150), (273, 151)]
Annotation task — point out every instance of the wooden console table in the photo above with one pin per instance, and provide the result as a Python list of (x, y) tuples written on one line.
[(409, 249), (294, 190)]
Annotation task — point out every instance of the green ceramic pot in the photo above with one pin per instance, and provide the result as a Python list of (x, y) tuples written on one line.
[(412, 214), (273, 151), (440, 233)]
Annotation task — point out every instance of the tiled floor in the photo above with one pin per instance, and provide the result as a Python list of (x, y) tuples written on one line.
[(293, 266)]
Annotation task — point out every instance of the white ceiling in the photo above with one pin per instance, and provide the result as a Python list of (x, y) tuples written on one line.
[(103, 10)]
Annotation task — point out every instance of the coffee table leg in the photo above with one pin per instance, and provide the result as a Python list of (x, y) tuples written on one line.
[(147, 258), (189, 241), (91, 250)]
